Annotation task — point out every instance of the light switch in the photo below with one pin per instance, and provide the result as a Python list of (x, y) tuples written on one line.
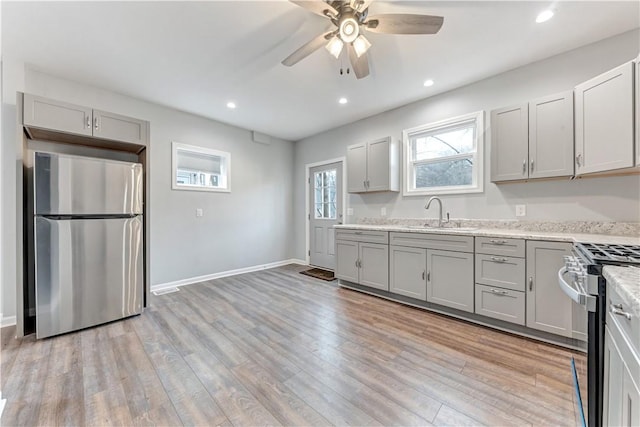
[(521, 210), (383, 211), (199, 212), (349, 211)]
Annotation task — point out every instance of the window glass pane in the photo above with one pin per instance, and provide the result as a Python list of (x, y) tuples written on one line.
[(332, 194), (332, 210), (318, 196), (319, 210), (446, 142), (318, 179), (331, 178), (444, 174)]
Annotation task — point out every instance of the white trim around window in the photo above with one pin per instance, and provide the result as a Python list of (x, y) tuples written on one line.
[(476, 156)]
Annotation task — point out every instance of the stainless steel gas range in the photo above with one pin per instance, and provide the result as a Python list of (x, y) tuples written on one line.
[(582, 280)]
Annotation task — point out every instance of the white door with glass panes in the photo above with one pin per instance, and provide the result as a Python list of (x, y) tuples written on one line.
[(325, 196)]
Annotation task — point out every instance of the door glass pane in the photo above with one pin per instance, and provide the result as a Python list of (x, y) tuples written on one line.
[(325, 194)]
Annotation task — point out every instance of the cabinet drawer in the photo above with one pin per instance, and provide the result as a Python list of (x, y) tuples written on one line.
[(501, 271), (629, 327), (445, 242), (368, 236), (500, 304), (500, 246)]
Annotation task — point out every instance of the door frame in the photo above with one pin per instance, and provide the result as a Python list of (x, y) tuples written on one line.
[(307, 211)]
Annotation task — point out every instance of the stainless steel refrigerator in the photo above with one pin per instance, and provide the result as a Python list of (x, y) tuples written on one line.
[(88, 241)]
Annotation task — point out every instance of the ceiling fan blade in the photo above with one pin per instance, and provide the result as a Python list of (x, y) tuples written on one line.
[(360, 65), (306, 49), (318, 6), (404, 23), (360, 5)]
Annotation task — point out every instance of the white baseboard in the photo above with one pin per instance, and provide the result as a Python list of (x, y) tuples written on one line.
[(198, 279), (7, 321)]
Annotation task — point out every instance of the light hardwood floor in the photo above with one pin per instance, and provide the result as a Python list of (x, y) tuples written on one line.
[(279, 348)]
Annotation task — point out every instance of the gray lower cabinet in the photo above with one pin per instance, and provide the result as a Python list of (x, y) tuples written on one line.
[(621, 381), (503, 304), (548, 308), (44, 113), (408, 269), (500, 271), (450, 279), (361, 262)]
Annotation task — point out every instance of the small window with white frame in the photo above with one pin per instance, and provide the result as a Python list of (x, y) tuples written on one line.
[(444, 157), (200, 168)]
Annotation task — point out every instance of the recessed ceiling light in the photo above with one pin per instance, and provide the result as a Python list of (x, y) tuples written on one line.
[(231, 105), (342, 100), (544, 16), (428, 83)]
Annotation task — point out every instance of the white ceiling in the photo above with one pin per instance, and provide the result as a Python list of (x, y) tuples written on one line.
[(196, 56)]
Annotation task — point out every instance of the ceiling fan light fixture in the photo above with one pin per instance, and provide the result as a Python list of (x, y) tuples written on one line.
[(361, 45), (349, 29), (335, 46)]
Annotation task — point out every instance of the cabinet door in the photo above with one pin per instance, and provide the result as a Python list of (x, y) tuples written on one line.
[(509, 143), (604, 121), (119, 128), (450, 279), (548, 308), (630, 400), (613, 382), (551, 136), (378, 171), (374, 265), (55, 115), (356, 168), (346, 260), (408, 270)]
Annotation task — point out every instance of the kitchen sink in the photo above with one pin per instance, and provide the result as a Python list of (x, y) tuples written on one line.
[(430, 228)]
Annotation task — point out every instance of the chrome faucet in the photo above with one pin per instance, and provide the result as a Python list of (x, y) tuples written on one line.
[(441, 221)]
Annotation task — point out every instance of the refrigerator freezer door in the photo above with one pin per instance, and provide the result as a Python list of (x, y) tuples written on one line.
[(74, 185), (88, 272)]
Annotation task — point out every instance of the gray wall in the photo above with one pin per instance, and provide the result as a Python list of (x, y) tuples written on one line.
[(603, 199), (247, 227)]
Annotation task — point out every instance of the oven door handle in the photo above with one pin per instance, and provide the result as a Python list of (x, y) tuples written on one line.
[(576, 292)]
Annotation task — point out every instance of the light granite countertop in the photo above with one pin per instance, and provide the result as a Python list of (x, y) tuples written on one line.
[(626, 282), (502, 233)]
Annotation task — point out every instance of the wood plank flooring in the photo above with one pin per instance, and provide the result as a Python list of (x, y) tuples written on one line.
[(279, 348)]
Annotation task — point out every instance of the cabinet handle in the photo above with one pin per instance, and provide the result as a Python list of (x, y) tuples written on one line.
[(498, 292), (530, 283), (358, 232), (524, 166), (95, 123), (423, 275), (618, 311), (531, 166), (497, 242), (428, 276), (498, 259), (88, 122), (579, 159)]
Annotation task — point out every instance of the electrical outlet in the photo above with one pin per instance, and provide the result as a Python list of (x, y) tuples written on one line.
[(383, 211), (199, 212), (349, 211), (521, 210)]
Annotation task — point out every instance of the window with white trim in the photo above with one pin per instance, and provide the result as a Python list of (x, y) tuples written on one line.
[(445, 157)]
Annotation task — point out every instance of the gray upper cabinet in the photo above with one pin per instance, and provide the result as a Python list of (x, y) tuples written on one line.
[(45, 113), (51, 115), (548, 308), (604, 134), (119, 128), (551, 136), (533, 140), (509, 143), (373, 166)]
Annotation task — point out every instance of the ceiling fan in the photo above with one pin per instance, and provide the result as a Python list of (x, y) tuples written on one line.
[(350, 17)]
